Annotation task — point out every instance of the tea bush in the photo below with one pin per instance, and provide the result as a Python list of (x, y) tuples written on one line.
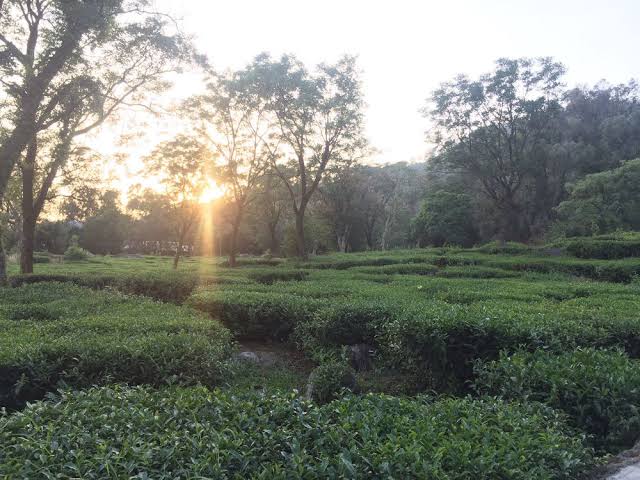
[(75, 254), (196, 433), (598, 389), (54, 334), (328, 380), (273, 276), (168, 287), (604, 249)]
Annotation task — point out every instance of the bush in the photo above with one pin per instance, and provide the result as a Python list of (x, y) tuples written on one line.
[(270, 277), (166, 286), (40, 257), (598, 389), (603, 249), (508, 248), (252, 315), (197, 433), (327, 381), (75, 254), (100, 337)]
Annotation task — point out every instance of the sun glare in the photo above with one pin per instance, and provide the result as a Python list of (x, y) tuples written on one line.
[(213, 191)]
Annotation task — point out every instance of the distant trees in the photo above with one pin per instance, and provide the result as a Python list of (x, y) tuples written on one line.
[(514, 139), (181, 165), (105, 232), (602, 203), (494, 129)]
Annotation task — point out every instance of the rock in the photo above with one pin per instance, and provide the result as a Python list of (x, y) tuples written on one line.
[(360, 357), (265, 359), (251, 357)]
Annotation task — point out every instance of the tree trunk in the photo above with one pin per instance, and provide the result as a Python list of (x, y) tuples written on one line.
[(275, 245), (301, 248), (3, 263), (28, 211), (234, 241), (176, 258)]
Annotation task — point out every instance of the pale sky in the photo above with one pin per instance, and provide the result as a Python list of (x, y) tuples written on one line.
[(406, 48)]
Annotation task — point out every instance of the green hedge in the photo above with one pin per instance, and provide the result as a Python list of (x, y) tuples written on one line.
[(603, 249), (165, 286), (272, 276), (196, 433), (253, 315), (54, 334), (598, 389)]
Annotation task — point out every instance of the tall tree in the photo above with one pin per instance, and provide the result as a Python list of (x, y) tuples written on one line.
[(53, 51), (494, 129), (235, 121), (318, 119), (181, 164)]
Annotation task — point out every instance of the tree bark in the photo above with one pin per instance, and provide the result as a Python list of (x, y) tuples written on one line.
[(275, 245), (28, 210), (233, 245), (300, 245), (176, 258), (3, 263)]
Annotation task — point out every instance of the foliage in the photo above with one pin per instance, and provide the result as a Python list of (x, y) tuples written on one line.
[(444, 219), (598, 389), (327, 381), (59, 334), (602, 203), (170, 433), (75, 254)]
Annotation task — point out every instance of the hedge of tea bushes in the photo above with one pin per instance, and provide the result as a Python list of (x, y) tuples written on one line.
[(425, 322), (54, 334), (598, 389), (166, 286), (197, 433)]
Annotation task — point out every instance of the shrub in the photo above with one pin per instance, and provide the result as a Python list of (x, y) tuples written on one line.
[(598, 389), (75, 254), (40, 257), (251, 315), (197, 433), (603, 249), (509, 248), (270, 277), (327, 381), (98, 338), (168, 286)]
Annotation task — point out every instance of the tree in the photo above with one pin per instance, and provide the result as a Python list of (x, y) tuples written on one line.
[(494, 129), (69, 65), (235, 121), (318, 120), (445, 219), (270, 208), (181, 164), (105, 232), (602, 203)]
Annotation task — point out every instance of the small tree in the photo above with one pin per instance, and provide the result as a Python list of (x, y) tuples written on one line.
[(181, 164)]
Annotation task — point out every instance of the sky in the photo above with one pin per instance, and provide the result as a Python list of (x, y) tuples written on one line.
[(407, 48)]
